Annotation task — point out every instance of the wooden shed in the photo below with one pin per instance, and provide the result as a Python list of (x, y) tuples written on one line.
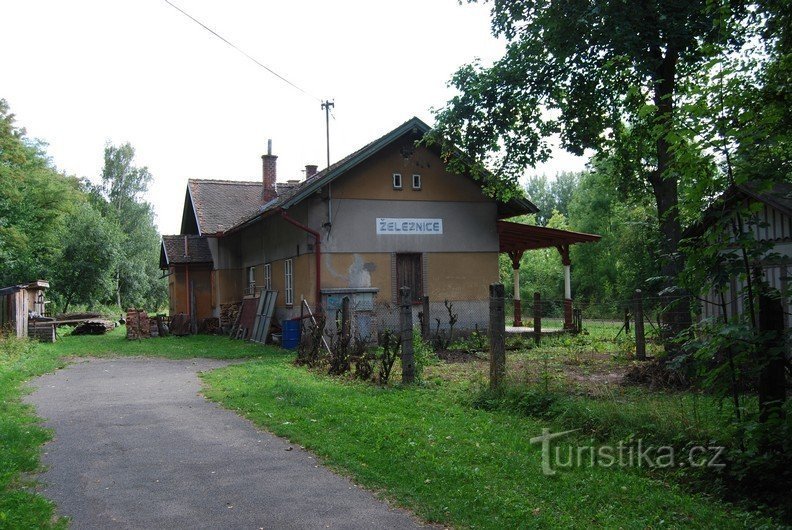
[(17, 302)]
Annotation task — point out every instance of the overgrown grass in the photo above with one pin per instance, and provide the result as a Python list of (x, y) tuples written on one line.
[(450, 462)]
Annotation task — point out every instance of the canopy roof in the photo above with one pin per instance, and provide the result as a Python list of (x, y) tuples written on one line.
[(517, 237)]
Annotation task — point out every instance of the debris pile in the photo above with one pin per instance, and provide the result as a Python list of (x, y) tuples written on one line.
[(94, 327)]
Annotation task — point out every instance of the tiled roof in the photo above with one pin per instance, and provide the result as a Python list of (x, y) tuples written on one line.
[(220, 203), (184, 249)]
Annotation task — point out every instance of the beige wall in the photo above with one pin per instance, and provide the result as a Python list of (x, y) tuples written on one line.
[(372, 179), (461, 276)]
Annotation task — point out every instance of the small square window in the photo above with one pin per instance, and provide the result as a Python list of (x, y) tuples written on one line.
[(397, 181), (416, 182)]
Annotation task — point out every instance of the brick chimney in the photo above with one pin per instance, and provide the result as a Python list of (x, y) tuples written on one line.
[(310, 170), (269, 174)]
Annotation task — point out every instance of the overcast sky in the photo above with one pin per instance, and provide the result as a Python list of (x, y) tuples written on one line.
[(80, 73)]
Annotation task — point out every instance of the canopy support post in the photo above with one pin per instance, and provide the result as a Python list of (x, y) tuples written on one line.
[(516, 256)]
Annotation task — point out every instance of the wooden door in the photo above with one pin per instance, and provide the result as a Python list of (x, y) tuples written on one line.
[(409, 272)]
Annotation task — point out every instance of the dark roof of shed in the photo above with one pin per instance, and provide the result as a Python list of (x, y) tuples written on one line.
[(181, 249), (777, 195), (414, 126), (219, 204)]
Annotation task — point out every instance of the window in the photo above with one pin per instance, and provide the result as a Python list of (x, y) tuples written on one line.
[(409, 272), (268, 277), (251, 281), (397, 181), (289, 271), (416, 183)]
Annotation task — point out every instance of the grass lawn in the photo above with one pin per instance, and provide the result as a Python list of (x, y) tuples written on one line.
[(451, 463), (426, 447)]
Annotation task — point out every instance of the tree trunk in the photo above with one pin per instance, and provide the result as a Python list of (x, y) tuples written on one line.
[(676, 317)]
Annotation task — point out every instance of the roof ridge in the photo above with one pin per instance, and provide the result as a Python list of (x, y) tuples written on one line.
[(226, 181)]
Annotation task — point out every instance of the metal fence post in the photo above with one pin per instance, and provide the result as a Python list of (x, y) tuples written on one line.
[(407, 357), (537, 317), (346, 320), (426, 323), (497, 335), (640, 338), (627, 320)]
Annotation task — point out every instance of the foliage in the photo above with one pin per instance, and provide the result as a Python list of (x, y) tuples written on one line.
[(45, 216), (120, 198), (550, 196), (90, 251), (36, 204), (608, 272)]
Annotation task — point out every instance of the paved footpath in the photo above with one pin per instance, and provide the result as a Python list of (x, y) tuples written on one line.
[(136, 446)]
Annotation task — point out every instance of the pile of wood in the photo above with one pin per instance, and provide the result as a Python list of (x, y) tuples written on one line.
[(229, 314), (138, 324), (94, 327), (180, 324)]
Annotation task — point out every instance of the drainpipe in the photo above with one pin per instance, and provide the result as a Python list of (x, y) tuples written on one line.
[(317, 254)]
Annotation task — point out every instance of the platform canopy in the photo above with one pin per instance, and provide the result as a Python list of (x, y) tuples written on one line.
[(516, 238)]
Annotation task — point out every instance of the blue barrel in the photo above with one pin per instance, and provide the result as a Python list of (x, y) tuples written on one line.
[(291, 333)]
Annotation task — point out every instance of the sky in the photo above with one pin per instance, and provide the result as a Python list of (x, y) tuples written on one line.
[(82, 73)]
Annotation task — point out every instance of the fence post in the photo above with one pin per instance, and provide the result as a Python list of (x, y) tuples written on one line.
[(426, 323), (640, 338), (627, 320), (346, 320), (497, 335), (772, 387), (407, 357), (537, 317)]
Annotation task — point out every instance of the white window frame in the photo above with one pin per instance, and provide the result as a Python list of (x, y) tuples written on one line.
[(251, 276), (288, 272), (397, 181), (418, 187), (268, 276)]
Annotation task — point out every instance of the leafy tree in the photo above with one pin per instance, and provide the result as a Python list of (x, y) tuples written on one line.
[(120, 197), (603, 75), (551, 195), (90, 252), (35, 204)]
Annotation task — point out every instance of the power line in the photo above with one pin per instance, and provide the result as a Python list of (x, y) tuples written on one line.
[(237, 48)]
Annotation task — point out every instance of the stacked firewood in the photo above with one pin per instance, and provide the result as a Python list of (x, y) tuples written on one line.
[(138, 324), (228, 315)]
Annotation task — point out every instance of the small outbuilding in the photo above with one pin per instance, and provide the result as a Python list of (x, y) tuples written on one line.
[(19, 304)]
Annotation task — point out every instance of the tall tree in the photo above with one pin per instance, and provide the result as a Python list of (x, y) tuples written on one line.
[(90, 252), (604, 75), (120, 196), (35, 203)]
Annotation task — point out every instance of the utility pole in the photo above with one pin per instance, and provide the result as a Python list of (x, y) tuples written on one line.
[(326, 106)]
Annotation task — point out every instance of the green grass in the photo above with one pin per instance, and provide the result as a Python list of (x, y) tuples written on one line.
[(114, 344), (21, 437), (449, 462)]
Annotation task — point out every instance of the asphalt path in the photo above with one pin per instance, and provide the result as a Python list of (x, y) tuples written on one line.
[(136, 446)]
